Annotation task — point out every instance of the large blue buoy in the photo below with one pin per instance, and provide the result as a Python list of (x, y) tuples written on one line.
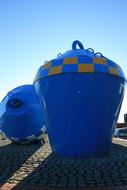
[(81, 94), (21, 118)]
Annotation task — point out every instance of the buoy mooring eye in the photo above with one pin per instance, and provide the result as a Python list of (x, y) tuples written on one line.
[(77, 43), (14, 103)]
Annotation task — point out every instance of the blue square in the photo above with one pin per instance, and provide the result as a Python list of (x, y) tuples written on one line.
[(111, 64), (101, 68), (70, 68), (84, 59), (44, 73), (56, 62)]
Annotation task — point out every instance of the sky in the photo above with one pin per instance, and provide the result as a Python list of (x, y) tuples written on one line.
[(33, 31)]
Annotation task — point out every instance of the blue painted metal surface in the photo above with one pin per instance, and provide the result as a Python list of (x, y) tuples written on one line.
[(81, 94), (21, 118)]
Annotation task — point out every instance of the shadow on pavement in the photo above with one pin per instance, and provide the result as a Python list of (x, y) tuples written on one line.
[(12, 157), (55, 171)]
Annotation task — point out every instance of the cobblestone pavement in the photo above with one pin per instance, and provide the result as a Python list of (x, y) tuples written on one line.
[(35, 165)]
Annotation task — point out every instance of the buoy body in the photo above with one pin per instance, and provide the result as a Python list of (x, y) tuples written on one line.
[(21, 118), (81, 96)]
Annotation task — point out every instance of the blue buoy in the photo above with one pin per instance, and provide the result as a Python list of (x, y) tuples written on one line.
[(81, 95), (21, 118)]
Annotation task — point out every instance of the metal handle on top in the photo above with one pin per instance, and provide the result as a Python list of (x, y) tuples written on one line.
[(75, 43), (98, 54)]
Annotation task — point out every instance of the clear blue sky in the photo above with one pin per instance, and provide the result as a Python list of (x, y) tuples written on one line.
[(32, 31)]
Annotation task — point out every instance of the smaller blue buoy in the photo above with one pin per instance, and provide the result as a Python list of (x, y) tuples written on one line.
[(21, 119)]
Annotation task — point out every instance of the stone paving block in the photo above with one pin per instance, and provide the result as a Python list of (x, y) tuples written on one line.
[(36, 165)]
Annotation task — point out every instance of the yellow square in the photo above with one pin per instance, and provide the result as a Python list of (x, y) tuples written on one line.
[(70, 60), (85, 68), (113, 71), (47, 65), (55, 70), (99, 60)]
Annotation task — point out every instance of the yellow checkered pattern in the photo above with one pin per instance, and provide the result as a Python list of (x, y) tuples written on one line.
[(85, 68), (55, 70), (113, 71), (72, 60), (99, 61), (82, 68), (80, 65)]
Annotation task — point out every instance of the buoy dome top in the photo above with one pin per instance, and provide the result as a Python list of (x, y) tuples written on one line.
[(80, 60)]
